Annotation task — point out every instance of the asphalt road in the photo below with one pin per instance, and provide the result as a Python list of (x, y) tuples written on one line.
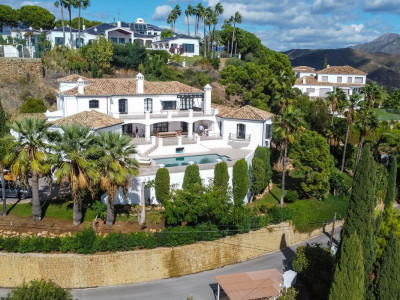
[(201, 285)]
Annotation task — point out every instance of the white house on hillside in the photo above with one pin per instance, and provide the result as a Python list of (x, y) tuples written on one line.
[(179, 44), (318, 84)]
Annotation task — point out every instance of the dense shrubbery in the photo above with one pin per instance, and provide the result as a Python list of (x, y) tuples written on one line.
[(32, 105), (39, 289)]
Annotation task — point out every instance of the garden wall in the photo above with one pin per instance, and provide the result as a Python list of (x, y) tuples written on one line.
[(81, 271), (13, 69)]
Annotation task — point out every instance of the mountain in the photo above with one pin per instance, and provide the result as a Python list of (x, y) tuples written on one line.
[(383, 68), (387, 43)]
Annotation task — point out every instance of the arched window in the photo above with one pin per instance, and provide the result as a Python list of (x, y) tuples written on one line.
[(123, 106), (241, 131), (93, 103)]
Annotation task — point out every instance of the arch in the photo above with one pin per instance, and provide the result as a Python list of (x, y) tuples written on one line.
[(93, 103), (123, 106)]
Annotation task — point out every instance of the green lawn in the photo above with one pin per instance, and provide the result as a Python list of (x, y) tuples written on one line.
[(385, 116)]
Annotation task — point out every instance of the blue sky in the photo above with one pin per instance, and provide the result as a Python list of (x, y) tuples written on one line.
[(281, 25)]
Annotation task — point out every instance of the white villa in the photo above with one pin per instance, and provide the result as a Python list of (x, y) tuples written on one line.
[(173, 125), (179, 43), (319, 83)]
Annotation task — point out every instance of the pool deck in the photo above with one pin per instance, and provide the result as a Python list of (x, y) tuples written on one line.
[(233, 154)]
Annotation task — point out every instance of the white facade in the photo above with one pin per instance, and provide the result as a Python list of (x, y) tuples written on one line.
[(180, 44)]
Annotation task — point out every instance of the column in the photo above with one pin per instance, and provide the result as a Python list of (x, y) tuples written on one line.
[(179, 140), (190, 130), (147, 133), (160, 142)]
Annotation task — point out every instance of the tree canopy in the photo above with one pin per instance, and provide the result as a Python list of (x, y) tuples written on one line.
[(8, 16), (36, 17)]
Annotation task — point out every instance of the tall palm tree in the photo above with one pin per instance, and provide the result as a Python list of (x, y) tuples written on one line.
[(73, 164), (374, 94), (209, 21), (170, 20), (199, 11), (60, 3), (287, 124), (218, 10), (5, 146), (116, 166), (237, 18), (69, 4), (206, 21), (354, 99), (82, 4), (189, 12), (30, 155), (176, 12), (338, 101)]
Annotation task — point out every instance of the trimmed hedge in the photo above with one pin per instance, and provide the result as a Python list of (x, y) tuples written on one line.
[(162, 185)]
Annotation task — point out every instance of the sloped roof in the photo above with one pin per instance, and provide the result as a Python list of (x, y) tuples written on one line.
[(244, 113), (99, 29), (303, 69), (66, 29), (72, 78), (341, 70), (92, 119), (177, 37), (127, 86), (311, 80)]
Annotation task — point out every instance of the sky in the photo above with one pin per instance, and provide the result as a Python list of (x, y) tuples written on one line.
[(281, 25)]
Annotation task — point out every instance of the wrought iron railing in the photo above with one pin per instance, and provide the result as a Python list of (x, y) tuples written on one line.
[(240, 137)]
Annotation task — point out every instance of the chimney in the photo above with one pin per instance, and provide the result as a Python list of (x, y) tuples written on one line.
[(83, 27), (118, 23), (207, 99), (139, 83), (81, 86), (327, 66), (304, 79)]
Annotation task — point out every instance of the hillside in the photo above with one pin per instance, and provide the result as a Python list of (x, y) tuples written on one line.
[(383, 68), (387, 43)]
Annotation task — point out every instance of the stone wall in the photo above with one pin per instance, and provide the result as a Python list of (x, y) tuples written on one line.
[(13, 69), (81, 271)]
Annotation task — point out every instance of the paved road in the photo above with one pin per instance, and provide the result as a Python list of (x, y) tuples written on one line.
[(200, 285)]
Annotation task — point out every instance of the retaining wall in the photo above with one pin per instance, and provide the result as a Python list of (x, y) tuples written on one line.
[(13, 69), (82, 271)]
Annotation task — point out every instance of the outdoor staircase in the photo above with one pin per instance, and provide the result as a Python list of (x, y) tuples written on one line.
[(149, 151)]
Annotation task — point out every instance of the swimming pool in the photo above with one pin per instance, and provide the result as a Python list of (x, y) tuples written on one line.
[(184, 160)]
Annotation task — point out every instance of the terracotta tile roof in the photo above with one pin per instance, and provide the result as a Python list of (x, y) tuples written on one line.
[(303, 69), (244, 113), (341, 70), (127, 86), (223, 109), (92, 119), (73, 78), (311, 80)]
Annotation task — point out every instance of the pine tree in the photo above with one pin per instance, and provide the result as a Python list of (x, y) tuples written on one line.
[(388, 275), (348, 278), (360, 217), (392, 188), (3, 120)]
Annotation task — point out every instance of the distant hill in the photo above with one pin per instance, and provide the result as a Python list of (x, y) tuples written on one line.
[(383, 68), (387, 43)]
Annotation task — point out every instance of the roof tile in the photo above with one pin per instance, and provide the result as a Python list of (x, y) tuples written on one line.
[(244, 113), (341, 70), (93, 119)]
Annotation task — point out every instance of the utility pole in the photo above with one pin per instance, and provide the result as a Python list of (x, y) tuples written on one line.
[(332, 231)]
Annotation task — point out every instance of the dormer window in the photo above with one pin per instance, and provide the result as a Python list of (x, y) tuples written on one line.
[(93, 103)]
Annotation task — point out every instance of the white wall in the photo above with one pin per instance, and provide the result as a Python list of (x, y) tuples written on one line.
[(333, 77)]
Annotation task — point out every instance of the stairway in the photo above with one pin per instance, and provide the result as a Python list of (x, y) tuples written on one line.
[(149, 151)]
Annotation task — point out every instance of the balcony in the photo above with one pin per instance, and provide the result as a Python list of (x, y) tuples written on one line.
[(241, 137), (169, 114)]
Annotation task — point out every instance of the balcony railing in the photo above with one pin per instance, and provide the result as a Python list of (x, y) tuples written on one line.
[(235, 137), (162, 114)]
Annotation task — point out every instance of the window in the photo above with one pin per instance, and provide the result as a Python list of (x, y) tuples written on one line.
[(160, 127), (186, 103), (241, 131), (324, 78), (123, 106), (349, 80), (93, 103), (114, 40), (323, 92), (220, 128), (148, 104), (59, 41), (184, 126), (339, 79), (122, 40), (268, 131), (310, 90), (358, 80), (188, 48), (168, 105)]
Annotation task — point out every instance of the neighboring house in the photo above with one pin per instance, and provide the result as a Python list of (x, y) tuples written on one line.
[(318, 84), (170, 121), (304, 71), (179, 43)]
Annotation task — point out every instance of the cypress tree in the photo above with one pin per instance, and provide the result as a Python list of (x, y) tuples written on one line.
[(221, 178), (240, 181), (360, 217), (265, 155), (3, 120), (391, 189), (348, 277), (162, 185), (258, 177), (191, 178), (388, 275)]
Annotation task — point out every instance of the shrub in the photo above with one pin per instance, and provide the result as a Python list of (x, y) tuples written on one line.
[(84, 241), (291, 196), (240, 181), (100, 209), (279, 214), (39, 289), (32, 105), (162, 185), (340, 182), (192, 178), (236, 62)]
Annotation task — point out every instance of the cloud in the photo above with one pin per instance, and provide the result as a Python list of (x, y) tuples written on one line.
[(390, 6), (161, 12)]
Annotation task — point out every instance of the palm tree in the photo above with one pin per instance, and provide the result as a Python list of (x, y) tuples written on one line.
[(189, 12), (199, 11), (218, 10), (73, 164), (116, 166), (5, 144), (374, 94), (170, 20), (176, 12), (287, 124), (68, 4), (30, 155), (60, 3), (81, 4), (237, 18), (207, 21), (338, 101), (354, 99)]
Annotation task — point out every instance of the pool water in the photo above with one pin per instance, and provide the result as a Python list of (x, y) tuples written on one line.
[(184, 160)]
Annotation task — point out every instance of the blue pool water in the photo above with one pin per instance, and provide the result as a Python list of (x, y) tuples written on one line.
[(184, 160)]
